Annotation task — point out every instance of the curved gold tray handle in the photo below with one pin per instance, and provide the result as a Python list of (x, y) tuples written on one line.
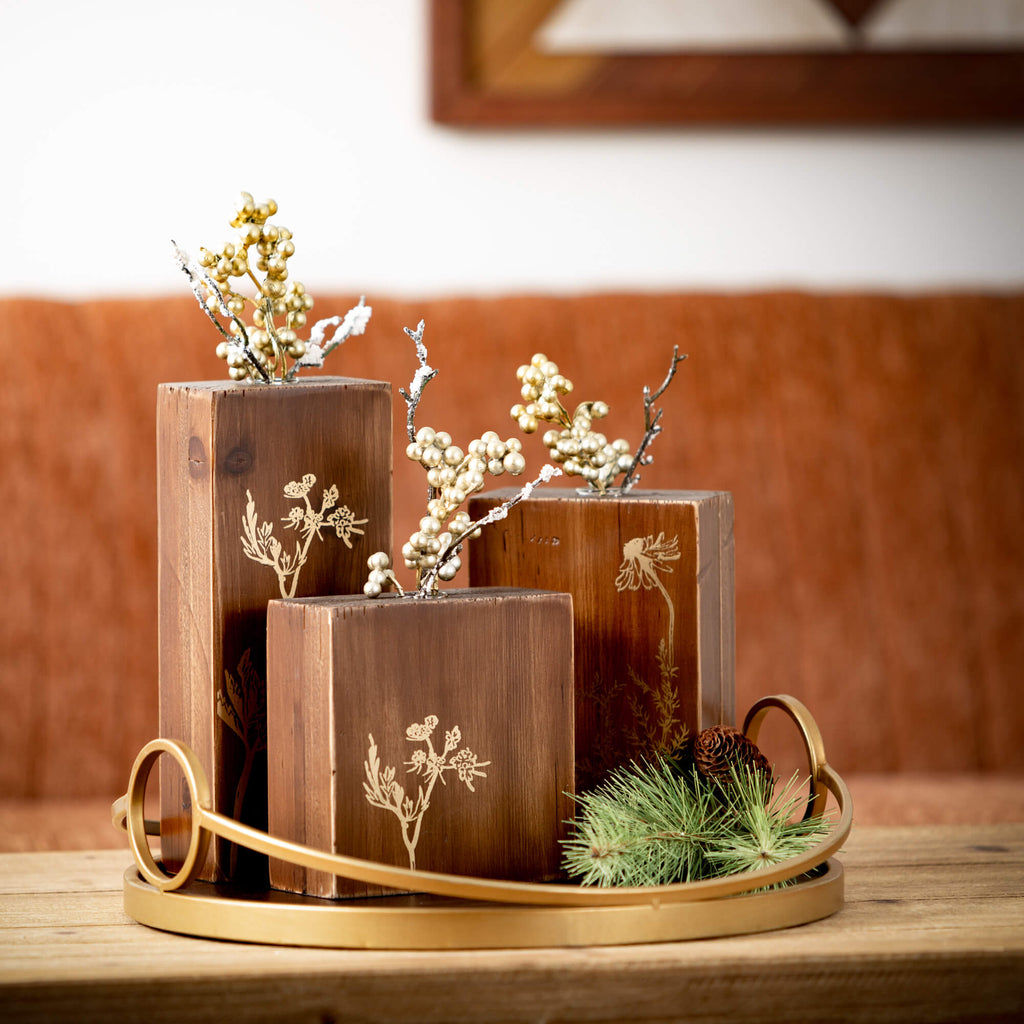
[(128, 814), (813, 743)]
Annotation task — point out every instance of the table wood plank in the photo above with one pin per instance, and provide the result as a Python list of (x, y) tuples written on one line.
[(932, 929)]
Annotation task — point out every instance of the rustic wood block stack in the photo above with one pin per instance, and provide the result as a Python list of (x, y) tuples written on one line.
[(444, 734)]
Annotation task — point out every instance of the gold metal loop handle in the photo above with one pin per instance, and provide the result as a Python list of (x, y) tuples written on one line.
[(138, 827), (812, 741), (128, 813)]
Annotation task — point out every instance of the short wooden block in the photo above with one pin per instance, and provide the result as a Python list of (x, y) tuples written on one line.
[(429, 733), (263, 491), (651, 575)]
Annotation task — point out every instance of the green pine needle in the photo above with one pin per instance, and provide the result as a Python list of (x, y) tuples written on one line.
[(649, 825)]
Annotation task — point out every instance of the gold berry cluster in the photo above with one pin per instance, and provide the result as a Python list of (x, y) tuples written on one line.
[(277, 298), (453, 475), (576, 446)]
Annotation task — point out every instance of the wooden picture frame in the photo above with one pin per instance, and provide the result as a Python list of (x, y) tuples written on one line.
[(486, 72)]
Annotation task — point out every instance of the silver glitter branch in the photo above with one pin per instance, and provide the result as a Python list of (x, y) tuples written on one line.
[(424, 375), (318, 348), (496, 514), (195, 273), (652, 424)]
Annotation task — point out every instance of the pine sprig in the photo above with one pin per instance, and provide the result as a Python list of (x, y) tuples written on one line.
[(768, 832), (647, 824)]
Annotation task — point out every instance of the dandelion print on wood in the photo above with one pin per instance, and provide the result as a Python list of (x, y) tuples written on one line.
[(644, 560), (385, 791), (260, 544)]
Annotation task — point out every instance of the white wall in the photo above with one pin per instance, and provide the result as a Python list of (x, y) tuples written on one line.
[(128, 122)]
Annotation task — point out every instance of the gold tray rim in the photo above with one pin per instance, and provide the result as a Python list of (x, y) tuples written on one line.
[(453, 923)]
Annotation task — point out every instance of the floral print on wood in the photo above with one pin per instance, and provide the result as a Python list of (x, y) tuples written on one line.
[(385, 791), (260, 544)]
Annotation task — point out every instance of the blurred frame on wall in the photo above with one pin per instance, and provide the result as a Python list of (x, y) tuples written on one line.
[(732, 62)]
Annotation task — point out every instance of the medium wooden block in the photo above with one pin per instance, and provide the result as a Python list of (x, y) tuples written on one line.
[(431, 733), (651, 575), (263, 491)]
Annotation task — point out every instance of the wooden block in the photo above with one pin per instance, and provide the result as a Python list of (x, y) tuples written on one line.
[(250, 475), (651, 575), (461, 705)]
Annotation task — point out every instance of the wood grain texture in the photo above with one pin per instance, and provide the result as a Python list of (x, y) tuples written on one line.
[(221, 445), (932, 930), (493, 665), (645, 569)]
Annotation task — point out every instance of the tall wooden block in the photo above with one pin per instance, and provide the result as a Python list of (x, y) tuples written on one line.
[(651, 575), (264, 491), (436, 734)]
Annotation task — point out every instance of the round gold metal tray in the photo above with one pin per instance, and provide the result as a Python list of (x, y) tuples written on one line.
[(438, 922), (461, 912)]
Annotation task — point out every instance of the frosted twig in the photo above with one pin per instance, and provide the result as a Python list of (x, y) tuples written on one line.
[(424, 374), (652, 424), (497, 513), (352, 324), (195, 273)]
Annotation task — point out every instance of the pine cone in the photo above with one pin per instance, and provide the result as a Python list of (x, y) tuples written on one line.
[(715, 749)]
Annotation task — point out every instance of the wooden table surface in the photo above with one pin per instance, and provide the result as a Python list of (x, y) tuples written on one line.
[(932, 930)]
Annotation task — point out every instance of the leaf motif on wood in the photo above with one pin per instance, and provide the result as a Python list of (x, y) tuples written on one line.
[(242, 706)]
